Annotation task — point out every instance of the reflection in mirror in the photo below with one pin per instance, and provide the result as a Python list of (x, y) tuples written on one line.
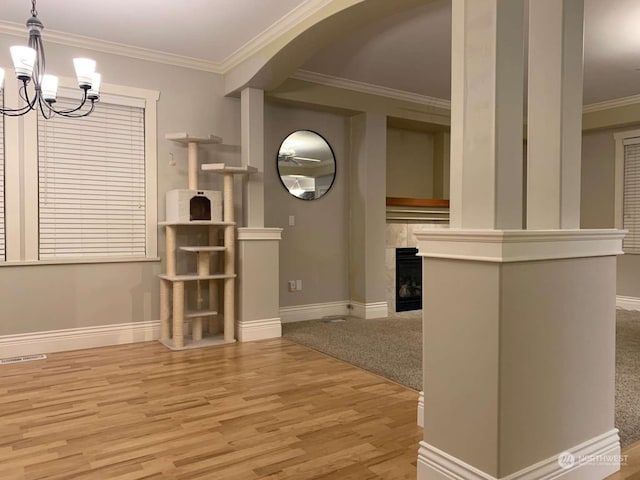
[(306, 165)]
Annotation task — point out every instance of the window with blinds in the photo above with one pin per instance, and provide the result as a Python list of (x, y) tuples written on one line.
[(631, 196), (91, 181)]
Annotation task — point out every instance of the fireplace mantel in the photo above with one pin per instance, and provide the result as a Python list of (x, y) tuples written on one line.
[(417, 202), (419, 210)]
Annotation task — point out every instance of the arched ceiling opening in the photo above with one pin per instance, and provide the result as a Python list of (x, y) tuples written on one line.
[(279, 58)]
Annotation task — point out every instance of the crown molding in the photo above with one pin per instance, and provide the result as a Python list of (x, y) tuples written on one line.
[(615, 103), (79, 41), (369, 88), (284, 24)]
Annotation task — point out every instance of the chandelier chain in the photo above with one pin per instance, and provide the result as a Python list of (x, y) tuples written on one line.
[(34, 12)]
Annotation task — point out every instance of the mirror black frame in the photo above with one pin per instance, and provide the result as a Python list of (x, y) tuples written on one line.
[(333, 155)]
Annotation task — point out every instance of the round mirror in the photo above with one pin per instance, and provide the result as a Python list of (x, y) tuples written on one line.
[(306, 165)]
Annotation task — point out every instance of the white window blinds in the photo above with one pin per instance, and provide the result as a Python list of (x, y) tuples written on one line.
[(92, 183), (631, 196), (2, 222)]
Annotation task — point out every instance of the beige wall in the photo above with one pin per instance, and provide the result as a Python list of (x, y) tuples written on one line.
[(52, 297), (315, 250), (409, 163), (597, 199)]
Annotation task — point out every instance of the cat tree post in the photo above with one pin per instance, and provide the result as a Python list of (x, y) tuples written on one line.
[(165, 309), (193, 165), (165, 285), (229, 262), (229, 240), (178, 314), (214, 287), (203, 269)]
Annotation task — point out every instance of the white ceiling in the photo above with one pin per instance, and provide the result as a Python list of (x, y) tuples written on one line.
[(409, 51), (204, 29)]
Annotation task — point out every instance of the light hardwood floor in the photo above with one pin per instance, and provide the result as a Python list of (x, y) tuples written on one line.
[(269, 409)]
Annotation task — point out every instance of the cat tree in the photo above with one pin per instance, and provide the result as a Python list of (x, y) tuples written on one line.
[(193, 207)]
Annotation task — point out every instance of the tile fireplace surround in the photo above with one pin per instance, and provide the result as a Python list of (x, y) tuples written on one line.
[(400, 235)]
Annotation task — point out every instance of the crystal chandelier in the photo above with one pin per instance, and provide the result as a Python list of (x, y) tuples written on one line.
[(29, 64)]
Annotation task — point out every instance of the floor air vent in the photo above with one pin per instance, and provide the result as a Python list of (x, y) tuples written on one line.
[(26, 358), (333, 319)]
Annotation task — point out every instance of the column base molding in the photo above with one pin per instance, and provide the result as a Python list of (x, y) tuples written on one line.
[(313, 311), (594, 459), (370, 310), (421, 409), (250, 330), (628, 303), (518, 245)]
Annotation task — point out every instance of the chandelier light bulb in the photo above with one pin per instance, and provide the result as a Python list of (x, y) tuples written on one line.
[(85, 68), (49, 88), (1, 79), (24, 59), (94, 91)]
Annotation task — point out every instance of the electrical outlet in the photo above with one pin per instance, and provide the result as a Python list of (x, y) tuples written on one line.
[(292, 285), (292, 220), (299, 285)]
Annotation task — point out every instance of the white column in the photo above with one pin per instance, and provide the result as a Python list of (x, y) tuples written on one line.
[(252, 144), (554, 114), (487, 114), (514, 318), (368, 215)]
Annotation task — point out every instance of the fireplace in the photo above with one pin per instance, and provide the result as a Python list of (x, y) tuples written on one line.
[(408, 280)]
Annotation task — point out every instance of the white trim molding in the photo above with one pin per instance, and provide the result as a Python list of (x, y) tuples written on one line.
[(421, 409), (79, 41), (299, 14), (78, 338), (356, 86), (294, 17), (620, 139), (594, 459), (313, 311), (609, 104), (370, 310), (518, 245), (628, 303), (250, 330), (253, 233)]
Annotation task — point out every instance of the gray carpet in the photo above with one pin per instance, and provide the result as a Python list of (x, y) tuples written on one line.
[(628, 375), (392, 347)]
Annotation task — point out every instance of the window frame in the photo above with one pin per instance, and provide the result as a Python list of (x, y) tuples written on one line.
[(620, 138), (21, 176)]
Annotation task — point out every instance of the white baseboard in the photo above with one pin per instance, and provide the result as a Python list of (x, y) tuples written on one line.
[(421, 409), (313, 311), (370, 310), (250, 330), (628, 303), (595, 459), (78, 338)]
